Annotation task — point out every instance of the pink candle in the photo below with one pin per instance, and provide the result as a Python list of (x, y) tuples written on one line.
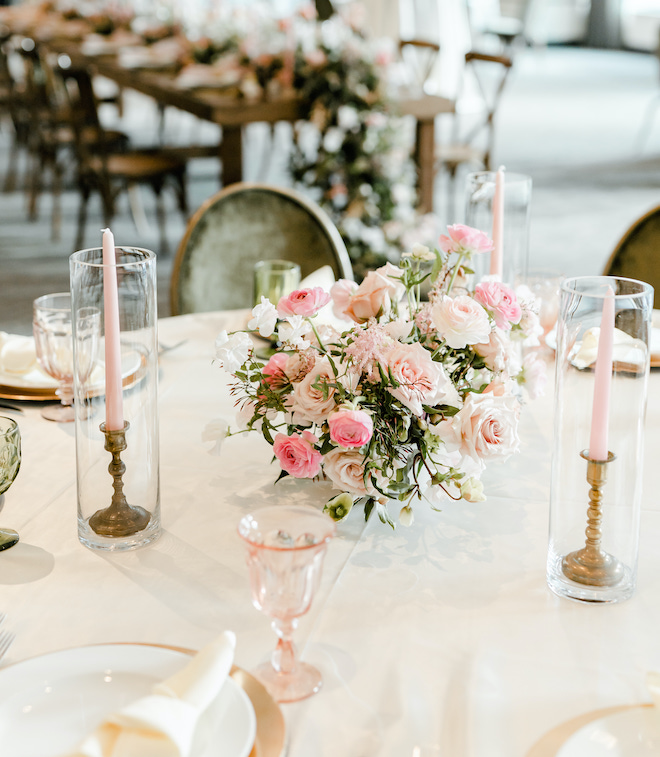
[(498, 225), (114, 407), (598, 447)]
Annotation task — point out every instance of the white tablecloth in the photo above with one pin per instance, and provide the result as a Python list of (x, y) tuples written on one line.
[(438, 639)]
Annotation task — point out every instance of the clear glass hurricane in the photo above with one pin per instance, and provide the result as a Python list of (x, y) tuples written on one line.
[(10, 462), (286, 545), (53, 338)]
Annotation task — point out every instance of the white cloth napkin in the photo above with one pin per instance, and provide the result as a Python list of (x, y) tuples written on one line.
[(17, 354), (626, 349), (163, 723)]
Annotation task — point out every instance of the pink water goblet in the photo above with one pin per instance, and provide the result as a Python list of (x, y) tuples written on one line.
[(285, 547)]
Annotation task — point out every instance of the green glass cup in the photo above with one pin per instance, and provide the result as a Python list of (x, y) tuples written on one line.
[(10, 462), (275, 279)]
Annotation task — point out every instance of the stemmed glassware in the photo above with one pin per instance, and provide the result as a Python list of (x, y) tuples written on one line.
[(10, 462), (285, 546), (53, 337)]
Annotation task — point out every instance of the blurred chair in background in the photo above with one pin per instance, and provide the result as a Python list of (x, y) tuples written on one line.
[(239, 226), (637, 255)]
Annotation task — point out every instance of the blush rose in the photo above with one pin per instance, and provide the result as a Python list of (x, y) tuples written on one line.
[(297, 454), (350, 428)]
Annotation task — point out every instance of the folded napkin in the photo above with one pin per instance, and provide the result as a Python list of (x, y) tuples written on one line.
[(626, 349), (163, 723), (17, 354)]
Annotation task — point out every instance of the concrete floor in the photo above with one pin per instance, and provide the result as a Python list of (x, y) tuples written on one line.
[(570, 118)]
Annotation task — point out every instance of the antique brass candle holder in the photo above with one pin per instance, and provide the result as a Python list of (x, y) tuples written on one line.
[(119, 519), (591, 565)]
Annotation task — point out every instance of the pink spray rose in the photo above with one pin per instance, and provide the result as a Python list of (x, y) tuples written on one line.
[(460, 321), (274, 371), (350, 428), (500, 301), (297, 454), (305, 302), (464, 240)]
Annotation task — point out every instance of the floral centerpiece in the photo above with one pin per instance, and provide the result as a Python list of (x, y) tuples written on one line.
[(411, 400)]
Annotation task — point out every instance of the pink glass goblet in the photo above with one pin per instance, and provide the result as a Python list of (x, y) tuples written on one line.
[(285, 546)]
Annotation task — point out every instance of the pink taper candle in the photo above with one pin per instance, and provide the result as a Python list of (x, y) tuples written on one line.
[(497, 254), (598, 447), (114, 406)]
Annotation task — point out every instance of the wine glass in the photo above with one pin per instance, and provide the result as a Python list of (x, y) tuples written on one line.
[(544, 285), (286, 545), (53, 338), (10, 462)]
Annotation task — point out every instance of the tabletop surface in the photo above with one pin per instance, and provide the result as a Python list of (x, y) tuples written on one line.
[(437, 639)]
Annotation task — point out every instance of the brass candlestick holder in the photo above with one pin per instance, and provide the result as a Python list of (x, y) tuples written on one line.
[(120, 518), (591, 565)]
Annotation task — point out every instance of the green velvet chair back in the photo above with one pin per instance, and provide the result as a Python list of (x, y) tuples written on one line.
[(237, 227), (637, 255)]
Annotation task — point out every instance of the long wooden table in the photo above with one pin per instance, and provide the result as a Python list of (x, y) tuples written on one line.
[(233, 114)]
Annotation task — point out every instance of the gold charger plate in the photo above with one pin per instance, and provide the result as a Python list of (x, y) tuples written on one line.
[(47, 393), (549, 744)]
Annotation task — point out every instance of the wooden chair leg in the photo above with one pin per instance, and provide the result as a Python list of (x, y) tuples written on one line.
[(137, 209), (56, 191), (160, 217), (82, 215)]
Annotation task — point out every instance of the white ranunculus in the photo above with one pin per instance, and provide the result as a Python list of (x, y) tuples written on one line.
[(232, 351), (264, 318)]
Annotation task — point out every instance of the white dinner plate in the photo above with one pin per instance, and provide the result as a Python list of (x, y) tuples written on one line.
[(48, 704), (634, 732)]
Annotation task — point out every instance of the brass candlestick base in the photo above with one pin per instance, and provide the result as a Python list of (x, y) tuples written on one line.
[(591, 565), (120, 518)]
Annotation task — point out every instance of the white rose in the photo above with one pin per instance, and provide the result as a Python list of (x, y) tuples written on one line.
[(460, 321), (485, 427), (345, 468), (232, 351), (308, 401)]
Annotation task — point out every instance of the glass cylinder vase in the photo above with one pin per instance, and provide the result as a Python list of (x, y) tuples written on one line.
[(117, 447), (602, 368), (479, 196)]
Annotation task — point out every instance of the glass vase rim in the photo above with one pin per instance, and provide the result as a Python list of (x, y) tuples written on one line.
[(565, 286), (148, 255), (324, 540)]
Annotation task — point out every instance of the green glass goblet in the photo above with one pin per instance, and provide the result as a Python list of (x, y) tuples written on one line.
[(10, 462)]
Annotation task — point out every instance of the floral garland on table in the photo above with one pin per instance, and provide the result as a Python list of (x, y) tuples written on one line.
[(352, 154), (412, 400)]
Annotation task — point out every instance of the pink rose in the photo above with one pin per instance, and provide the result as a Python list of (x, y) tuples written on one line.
[(297, 454), (373, 298), (350, 428), (500, 301), (341, 293), (345, 468), (485, 427), (305, 302), (499, 353), (393, 274), (464, 240), (460, 321), (418, 377), (274, 371)]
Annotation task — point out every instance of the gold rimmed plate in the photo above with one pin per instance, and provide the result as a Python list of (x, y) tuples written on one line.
[(49, 703)]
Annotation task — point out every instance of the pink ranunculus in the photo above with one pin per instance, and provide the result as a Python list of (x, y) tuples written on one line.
[(460, 321), (341, 293), (500, 301), (350, 428), (465, 240), (373, 297), (274, 371), (297, 454), (418, 376), (345, 468), (305, 302), (486, 427)]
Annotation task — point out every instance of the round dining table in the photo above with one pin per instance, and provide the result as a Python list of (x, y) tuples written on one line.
[(437, 639)]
